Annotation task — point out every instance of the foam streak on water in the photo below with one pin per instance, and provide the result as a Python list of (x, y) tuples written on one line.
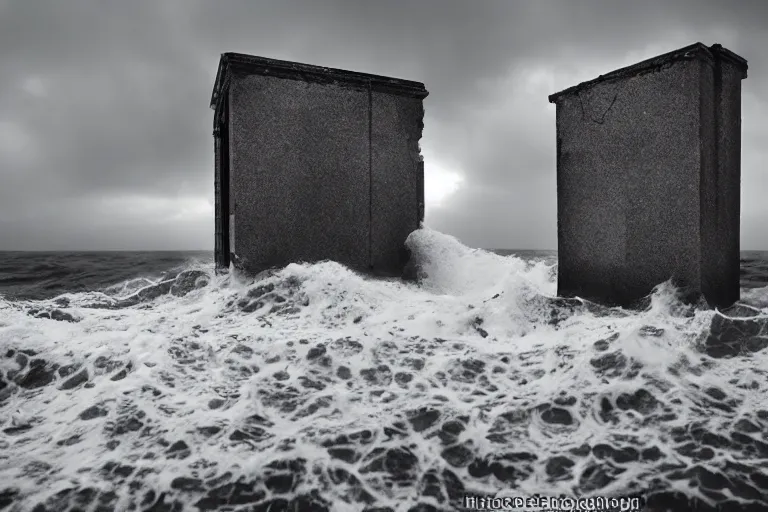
[(320, 389)]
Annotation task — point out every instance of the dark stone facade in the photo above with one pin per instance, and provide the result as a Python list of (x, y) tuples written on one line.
[(315, 163), (648, 179)]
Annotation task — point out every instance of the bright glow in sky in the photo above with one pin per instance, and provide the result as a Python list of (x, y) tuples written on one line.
[(440, 182)]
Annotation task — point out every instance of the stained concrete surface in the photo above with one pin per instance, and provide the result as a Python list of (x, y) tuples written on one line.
[(324, 164), (648, 179)]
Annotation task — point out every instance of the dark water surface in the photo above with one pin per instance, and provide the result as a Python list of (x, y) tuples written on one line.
[(42, 275)]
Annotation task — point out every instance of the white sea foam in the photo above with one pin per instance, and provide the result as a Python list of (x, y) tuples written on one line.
[(317, 378)]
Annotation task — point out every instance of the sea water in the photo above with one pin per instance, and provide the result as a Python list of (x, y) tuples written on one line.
[(159, 387)]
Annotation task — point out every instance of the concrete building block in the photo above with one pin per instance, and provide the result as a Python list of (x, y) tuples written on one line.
[(648, 179), (315, 164)]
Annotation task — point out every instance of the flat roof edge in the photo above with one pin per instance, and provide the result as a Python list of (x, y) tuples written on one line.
[(694, 51), (238, 63), (726, 54)]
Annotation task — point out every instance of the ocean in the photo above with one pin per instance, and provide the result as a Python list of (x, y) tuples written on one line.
[(144, 381)]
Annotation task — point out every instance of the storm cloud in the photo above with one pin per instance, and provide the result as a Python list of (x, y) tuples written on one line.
[(105, 129)]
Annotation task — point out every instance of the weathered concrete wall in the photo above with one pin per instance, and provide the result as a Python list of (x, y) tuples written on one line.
[(299, 172), (720, 276), (218, 226), (397, 175), (323, 164), (648, 180)]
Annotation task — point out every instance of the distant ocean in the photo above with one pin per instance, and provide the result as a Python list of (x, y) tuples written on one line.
[(143, 381)]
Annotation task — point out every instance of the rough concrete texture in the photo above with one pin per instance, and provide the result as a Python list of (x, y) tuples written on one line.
[(218, 226), (299, 184), (721, 273), (324, 164), (221, 183), (397, 187), (648, 179)]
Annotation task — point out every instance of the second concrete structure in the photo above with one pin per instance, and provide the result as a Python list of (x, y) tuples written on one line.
[(648, 179)]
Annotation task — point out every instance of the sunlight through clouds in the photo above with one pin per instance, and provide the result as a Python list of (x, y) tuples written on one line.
[(440, 182)]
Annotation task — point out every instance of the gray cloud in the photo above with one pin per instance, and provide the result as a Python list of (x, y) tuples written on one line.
[(105, 131)]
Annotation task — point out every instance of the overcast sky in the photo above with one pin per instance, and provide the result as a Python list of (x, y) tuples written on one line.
[(105, 129)]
